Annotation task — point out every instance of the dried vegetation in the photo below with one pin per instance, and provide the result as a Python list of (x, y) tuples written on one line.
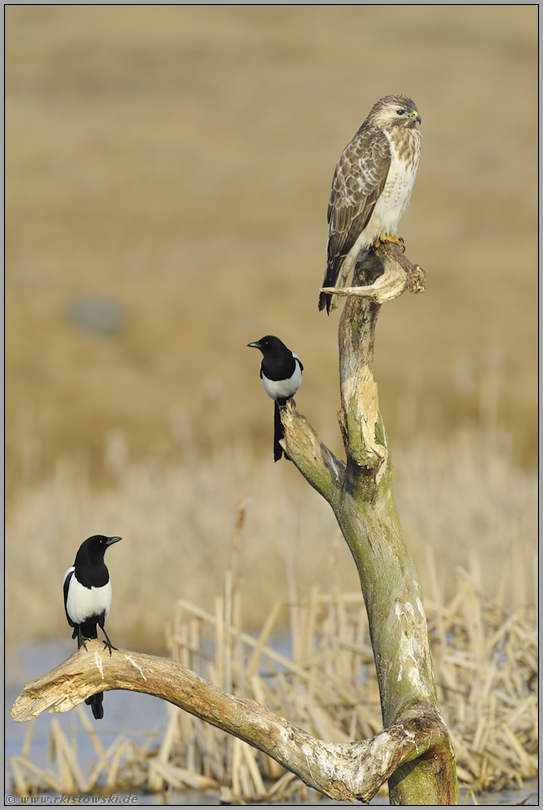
[(486, 667)]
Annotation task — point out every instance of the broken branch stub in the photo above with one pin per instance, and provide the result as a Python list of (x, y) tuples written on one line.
[(387, 273)]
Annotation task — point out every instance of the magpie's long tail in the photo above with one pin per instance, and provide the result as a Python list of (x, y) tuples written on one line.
[(278, 432), (96, 702)]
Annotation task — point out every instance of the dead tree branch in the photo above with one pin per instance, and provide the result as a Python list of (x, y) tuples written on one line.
[(348, 772), (361, 496)]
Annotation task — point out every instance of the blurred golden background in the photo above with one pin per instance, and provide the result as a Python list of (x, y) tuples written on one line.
[(167, 178)]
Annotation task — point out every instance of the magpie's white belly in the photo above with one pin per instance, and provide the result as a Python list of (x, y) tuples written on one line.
[(82, 603), (283, 389)]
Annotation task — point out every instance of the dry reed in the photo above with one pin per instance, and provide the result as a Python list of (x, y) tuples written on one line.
[(486, 667), (450, 498), (453, 497)]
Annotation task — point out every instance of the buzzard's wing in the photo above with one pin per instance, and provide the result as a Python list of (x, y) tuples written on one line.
[(359, 179)]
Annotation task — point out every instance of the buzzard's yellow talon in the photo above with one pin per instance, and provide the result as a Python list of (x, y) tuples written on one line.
[(397, 240)]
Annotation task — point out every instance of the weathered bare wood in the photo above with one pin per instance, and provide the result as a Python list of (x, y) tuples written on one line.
[(390, 273), (347, 771), (362, 499)]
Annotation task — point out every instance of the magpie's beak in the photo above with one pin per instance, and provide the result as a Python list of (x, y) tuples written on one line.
[(255, 345), (111, 540)]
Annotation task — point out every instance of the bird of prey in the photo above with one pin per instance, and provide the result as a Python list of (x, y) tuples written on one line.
[(371, 187), (87, 599), (281, 373)]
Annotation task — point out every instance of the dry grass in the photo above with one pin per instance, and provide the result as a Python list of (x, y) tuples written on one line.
[(177, 160), (470, 518), (255, 532), (178, 529), (486, 664)]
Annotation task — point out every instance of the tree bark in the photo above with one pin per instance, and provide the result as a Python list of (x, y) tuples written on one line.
[(361, 496)]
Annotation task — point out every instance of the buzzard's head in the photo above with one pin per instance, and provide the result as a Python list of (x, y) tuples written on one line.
[(394, 111)]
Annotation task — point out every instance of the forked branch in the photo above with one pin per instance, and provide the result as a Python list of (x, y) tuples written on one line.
[(361, 496), (348, 771)]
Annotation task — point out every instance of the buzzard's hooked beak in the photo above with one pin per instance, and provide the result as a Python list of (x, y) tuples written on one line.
[(417, 118)]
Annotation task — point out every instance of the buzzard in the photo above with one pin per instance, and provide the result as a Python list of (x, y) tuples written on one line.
[(371, 187)]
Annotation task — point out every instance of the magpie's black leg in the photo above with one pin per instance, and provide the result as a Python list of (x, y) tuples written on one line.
[(80, 639), (107, 643)]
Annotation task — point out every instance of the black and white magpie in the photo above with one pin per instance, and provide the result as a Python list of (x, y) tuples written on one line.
[(281, 373), (87, 599)]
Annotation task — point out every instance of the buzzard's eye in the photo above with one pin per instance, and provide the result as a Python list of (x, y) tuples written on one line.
[(400, 112)]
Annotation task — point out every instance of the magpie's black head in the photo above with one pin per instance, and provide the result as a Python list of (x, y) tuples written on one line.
[(270, 346), (94, 548)]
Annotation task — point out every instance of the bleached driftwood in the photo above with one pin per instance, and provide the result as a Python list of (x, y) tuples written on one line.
[(348, 772)]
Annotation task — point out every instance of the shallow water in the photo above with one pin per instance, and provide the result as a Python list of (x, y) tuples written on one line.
[(528, 797), (147, 715)]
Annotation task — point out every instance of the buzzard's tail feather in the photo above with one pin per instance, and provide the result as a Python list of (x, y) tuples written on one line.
[(325, 301), (335, 275)]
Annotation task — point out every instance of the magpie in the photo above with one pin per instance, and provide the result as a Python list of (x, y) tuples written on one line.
[(281, 373), (87, 599)]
